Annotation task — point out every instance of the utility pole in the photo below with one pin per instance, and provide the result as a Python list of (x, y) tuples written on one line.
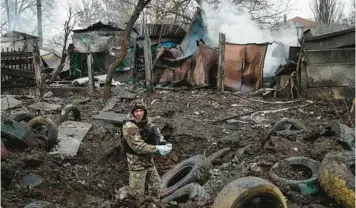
[(143, 23), (39, 21), (8, 15)]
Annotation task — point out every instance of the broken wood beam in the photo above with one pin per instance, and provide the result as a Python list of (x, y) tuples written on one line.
[(148, 64), (221, 65), (235, 116)]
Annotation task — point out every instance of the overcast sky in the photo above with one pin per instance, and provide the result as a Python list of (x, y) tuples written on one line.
[(297, 8)]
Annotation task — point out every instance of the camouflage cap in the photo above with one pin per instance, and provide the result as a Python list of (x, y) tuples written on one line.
[(138, 104)]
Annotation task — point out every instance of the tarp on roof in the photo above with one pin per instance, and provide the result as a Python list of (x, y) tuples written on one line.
[(195, 32)]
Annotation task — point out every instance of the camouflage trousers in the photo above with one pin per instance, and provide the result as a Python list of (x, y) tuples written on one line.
[(150, 177)]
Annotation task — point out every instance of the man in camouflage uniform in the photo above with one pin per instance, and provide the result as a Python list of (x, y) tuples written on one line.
[(142, 140)]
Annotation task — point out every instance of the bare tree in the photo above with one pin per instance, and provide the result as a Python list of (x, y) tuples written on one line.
[(352, 13), (327, 11), (92, 11), (88, 12), (141, 4), (174, 12), (111, 9), (68, 27), (21, 14), (265, 12)]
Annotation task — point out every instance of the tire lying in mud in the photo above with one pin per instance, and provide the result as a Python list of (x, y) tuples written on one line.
[(193, 169), (17, 135), (241, 193), (52, 131), (190, 191), (22, 117), (306, 186), (336, 179), (65, 113)]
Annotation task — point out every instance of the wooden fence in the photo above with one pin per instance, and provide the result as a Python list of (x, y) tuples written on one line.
[(17, 68)]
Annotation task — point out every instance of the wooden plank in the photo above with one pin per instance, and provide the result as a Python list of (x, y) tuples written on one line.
[(111, 117), (19, 61), (17, 73), (8, 102), (20, 54), (70, 136), (221, 66), (148, 64)]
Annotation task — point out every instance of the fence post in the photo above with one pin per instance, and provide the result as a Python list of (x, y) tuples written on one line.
[(90, 73), (148, 64), (37, 68), (221, 66)]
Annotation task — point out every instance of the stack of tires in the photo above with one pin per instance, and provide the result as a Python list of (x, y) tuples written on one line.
[(183, 182), (335, 175)]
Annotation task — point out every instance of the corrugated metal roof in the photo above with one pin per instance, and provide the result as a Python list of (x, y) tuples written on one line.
[(52, 60), (328, 35), (166, 30), (99, 26)]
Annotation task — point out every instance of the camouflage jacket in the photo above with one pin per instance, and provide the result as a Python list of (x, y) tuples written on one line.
[(144, 152)]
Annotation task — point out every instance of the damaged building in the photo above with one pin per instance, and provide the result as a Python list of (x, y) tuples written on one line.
[(329, 65), (18, 51), (102, 41), (194, 63), (323, 66)]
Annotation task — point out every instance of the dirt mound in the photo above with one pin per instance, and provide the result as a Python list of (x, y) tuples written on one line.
[(93, 177)]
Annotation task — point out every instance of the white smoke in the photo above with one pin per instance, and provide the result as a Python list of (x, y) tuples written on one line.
[(239, 27)]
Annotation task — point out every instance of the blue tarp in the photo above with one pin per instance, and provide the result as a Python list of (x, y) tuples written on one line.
[(195, 32)]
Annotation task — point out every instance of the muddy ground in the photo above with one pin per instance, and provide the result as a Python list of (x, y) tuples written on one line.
[(94, 176)]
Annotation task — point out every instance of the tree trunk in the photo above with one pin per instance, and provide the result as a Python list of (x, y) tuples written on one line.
[(55, 72), (125, 38)]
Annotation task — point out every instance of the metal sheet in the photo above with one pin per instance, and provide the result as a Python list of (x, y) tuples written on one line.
[(70, 136), (8, 102), (196, 70), (111, 117), (247, 77), (195, 32)]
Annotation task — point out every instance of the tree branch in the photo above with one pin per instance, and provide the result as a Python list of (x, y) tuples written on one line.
[(125, 38)]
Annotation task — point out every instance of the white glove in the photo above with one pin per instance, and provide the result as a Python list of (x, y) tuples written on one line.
[(163, 150)]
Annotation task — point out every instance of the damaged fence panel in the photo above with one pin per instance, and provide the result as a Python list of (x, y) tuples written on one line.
[(243, 66), (330, 73)]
